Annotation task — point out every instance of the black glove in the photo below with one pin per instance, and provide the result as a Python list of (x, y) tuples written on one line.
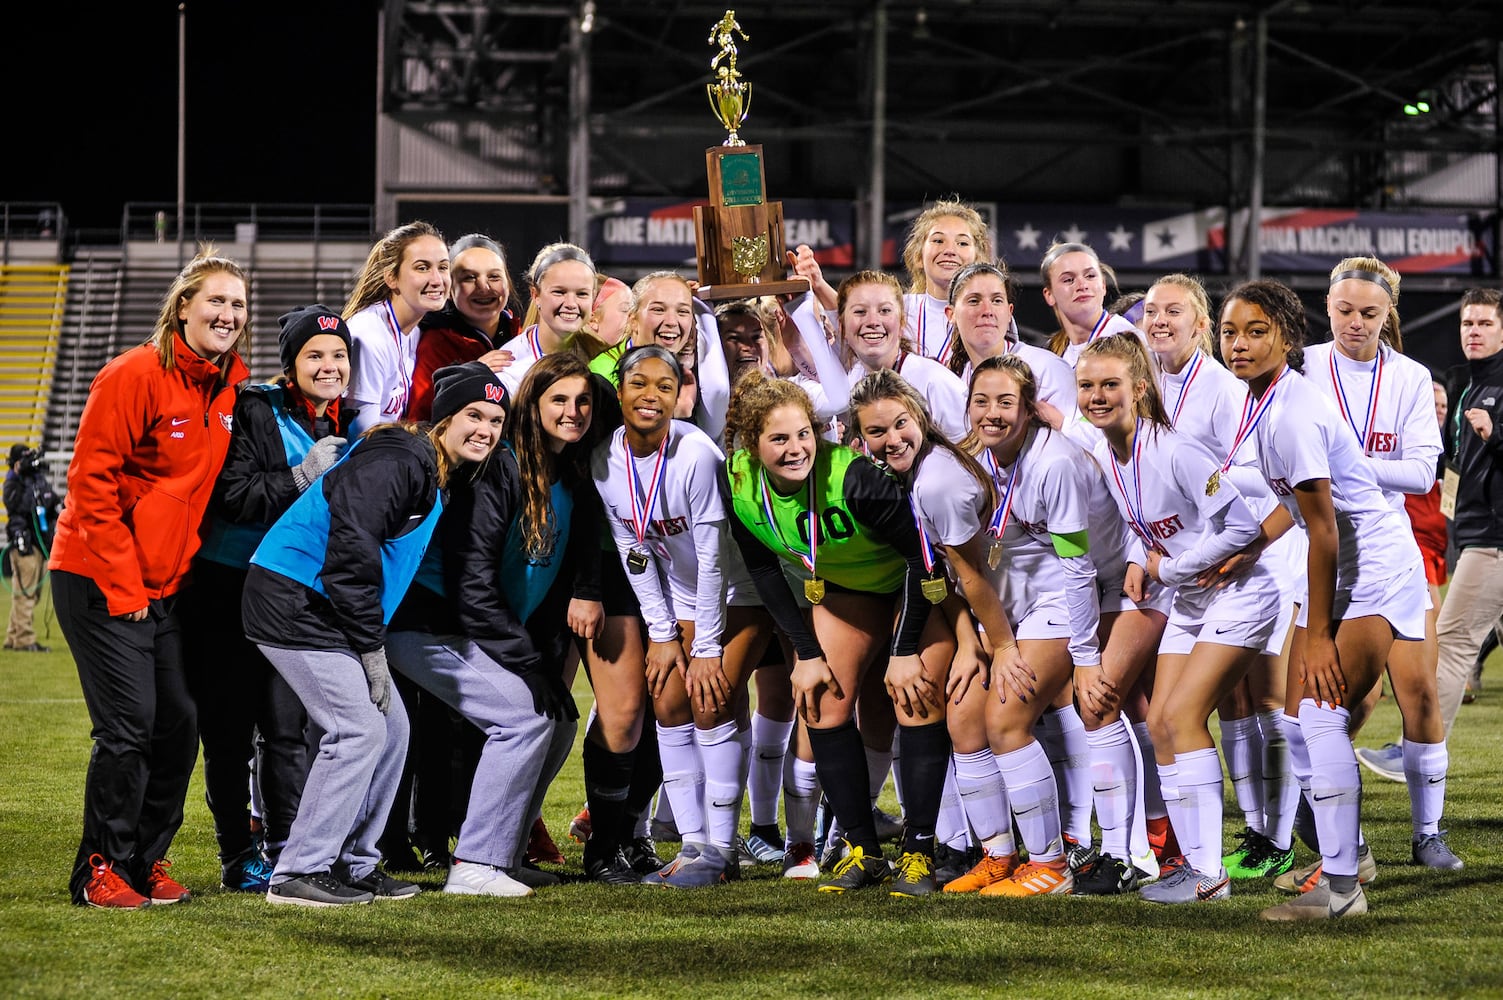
[(549, 696)]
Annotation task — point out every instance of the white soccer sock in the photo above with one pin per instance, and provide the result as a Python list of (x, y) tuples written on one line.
[(683, 780), (1169, 788), (1144, 772), (1243, 751), (800, 799), (1034, 798), (1335, 784), (1070, 758), (769, 744), (983, 796), (950, 826), (1280, 791), (721, 753), (1114, 786), (1425, 766), (1200, 804)]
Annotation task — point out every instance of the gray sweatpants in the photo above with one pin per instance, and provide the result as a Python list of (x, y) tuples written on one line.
[(354, 776), (523, 750)]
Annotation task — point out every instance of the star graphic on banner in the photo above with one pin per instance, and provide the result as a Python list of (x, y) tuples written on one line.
[(1074, 234), (1165, 238), (1120, 239), (1028, 237)]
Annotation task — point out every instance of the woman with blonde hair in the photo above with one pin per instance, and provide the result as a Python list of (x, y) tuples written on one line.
[(151, 441)]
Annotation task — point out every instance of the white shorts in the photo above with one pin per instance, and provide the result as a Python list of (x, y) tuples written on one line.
[(1048, 619), (1401, 599), (1181, 637), (1275, 644)]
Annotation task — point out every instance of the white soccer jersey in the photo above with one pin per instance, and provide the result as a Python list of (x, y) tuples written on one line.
[(526, 350), (382, 363), (1172, 493), (1106, 326), (925, 324), (1389, 408), (693, 572), (1056, 489), (940, 387), (1301, 437), (947, 500)]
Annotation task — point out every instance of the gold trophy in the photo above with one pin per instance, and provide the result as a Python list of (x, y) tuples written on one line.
[(739, 235)]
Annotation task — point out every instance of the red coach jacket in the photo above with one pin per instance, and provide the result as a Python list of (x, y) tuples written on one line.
[(150, 446)]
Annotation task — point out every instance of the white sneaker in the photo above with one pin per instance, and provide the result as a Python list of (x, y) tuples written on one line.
[(1147, 865), (470, 878)]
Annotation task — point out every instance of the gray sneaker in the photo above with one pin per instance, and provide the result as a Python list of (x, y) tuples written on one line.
[(383, 887), (1431, 851), (756, 850), (1186, 885), (317, 889), (1387, 762), (1320, 903), (704, 868)]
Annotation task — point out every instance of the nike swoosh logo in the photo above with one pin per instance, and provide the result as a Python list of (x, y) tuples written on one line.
[(1054, 624), (1349, 904), (770, 756), (1323, 798), (1020, 813), (1229, 628), (722, 805), (1436, 781), (1213, 890), (179, 421), (1102, 791)]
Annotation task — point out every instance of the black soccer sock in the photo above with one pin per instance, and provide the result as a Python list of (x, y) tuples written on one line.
[(925, 758), (607, 782), (840, 763), (646, 777)]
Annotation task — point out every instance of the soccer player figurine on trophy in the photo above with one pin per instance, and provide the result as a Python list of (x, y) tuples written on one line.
[(739, 235)]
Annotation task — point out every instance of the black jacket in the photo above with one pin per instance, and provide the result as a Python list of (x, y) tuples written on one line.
[(1479, 496), (255, 485), (30, 507), (382, 491)]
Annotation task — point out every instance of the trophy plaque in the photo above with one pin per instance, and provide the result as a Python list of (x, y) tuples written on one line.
[(739, 235)]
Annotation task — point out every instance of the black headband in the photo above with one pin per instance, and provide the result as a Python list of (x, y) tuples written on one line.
[(1372, 276)]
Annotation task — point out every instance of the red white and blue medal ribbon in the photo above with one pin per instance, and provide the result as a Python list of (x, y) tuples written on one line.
[(643, 501), (808, 559), (1004, 506), (1196, 360), (1365, 431), (1100, 326), (1251, 416), (534, 341), (396, 338), (1135, 517)]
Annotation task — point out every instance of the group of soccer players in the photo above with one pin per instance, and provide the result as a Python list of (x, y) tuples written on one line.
[(1022, 579)]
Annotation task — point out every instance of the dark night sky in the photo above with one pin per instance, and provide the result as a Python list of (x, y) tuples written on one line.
[(281, 104)]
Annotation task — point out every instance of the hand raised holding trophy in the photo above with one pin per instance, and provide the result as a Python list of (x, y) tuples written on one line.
[(739, 235)]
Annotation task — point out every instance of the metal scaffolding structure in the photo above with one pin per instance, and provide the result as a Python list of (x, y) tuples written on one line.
[(1202, 102)]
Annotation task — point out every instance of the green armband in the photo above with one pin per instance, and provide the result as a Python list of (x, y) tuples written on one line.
[(1071, 545)]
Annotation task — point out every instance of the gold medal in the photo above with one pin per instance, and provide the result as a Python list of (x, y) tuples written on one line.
[(994, 554), (1214, 483), (636, 561), (814, 590), (934, 589)]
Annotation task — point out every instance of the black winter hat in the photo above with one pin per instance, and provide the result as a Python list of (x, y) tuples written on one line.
[(302, 325), (456, 386)]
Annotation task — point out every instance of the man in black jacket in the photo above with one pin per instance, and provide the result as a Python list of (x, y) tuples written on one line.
[(30, 510), (1474, 438)]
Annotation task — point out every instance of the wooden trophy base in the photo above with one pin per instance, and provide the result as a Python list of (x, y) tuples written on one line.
[(722, 293)]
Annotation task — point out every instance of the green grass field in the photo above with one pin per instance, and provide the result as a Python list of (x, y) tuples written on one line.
[(1429, 934)]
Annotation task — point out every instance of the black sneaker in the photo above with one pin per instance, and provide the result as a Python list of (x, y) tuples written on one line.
[(317, 889), (532, 876), (1080, 857), (383, 887), (914, 875), (950, 863), (858, 870), (611, 869), (642, 854), (1109, 876)]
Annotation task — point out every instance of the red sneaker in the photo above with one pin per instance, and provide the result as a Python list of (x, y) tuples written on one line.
[(106, 890), (541, 850), (163, 888), (579, 826)]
